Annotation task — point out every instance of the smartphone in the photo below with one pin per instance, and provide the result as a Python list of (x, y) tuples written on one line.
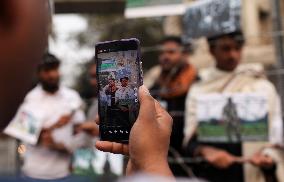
[(119, 74)]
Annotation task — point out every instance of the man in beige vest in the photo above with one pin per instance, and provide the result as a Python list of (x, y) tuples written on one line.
[(225, 160)]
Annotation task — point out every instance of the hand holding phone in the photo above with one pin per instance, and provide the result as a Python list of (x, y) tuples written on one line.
[(149, 139), (119, 74)]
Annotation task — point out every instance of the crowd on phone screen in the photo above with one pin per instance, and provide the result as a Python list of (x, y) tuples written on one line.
[(117, 100)]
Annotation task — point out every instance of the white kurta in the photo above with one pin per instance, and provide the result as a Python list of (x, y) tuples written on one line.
[(44, 163)]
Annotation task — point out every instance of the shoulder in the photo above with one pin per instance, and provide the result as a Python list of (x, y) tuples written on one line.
[(251, 67), (263, 84), (71, 97), (68, 92), (189, 68), (188, 72), (35, 93), (260, 81), (130, 89), (204, 76)]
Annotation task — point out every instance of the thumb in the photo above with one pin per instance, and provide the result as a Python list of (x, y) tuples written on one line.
[(147, 110)]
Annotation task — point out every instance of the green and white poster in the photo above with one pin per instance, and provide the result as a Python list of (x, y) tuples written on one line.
[(232, 118), (144, 3), (154, 8)]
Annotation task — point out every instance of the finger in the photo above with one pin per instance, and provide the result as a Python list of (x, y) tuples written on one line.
[(147, 110), (161, 112), (116, 148), (163, 116), (97, 119)]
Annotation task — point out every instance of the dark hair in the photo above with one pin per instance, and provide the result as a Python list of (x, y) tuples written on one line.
[(187, 47), (175, 39), (237, 36), (126, 78), (48, 62)]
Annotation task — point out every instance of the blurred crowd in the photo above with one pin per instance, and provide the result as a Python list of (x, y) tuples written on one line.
[(66, 151), (178, 86)]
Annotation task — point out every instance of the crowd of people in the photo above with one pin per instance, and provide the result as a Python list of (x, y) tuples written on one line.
[(170, 114), (117, 101), (178, 86)]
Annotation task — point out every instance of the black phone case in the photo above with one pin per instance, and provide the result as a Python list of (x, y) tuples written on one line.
[(104, 136)]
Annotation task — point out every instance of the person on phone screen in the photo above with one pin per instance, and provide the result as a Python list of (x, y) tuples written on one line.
[(110, 91), (124, 96)]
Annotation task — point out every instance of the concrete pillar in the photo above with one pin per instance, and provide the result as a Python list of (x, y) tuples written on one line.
[(172, 25), (250, 21)]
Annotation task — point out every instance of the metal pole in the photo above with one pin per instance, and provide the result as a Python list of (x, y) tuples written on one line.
[(279, 47)]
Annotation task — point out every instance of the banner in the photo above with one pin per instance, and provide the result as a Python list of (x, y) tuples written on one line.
[(26, 125), (232, 118), (211, 18), (147, 3), (154, 8)]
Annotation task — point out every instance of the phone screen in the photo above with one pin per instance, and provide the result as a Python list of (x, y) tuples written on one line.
[(119, 77)]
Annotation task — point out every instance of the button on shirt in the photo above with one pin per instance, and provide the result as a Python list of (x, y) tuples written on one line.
[(44, 163)]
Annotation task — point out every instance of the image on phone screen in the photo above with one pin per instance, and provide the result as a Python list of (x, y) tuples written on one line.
[(119, 80)]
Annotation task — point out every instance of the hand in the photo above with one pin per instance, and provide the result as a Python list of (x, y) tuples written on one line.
[(149, 139), (261, 160), (218, 158), (89, 127), (64, 120), (45, 138), (47, 141)]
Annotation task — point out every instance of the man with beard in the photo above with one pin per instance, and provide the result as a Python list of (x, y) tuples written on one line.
[(60, 108), (223, 160), (170, 86), (124, 96)]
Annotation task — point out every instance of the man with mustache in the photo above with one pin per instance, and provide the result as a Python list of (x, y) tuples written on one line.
[(230, 77), (170, 87)]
